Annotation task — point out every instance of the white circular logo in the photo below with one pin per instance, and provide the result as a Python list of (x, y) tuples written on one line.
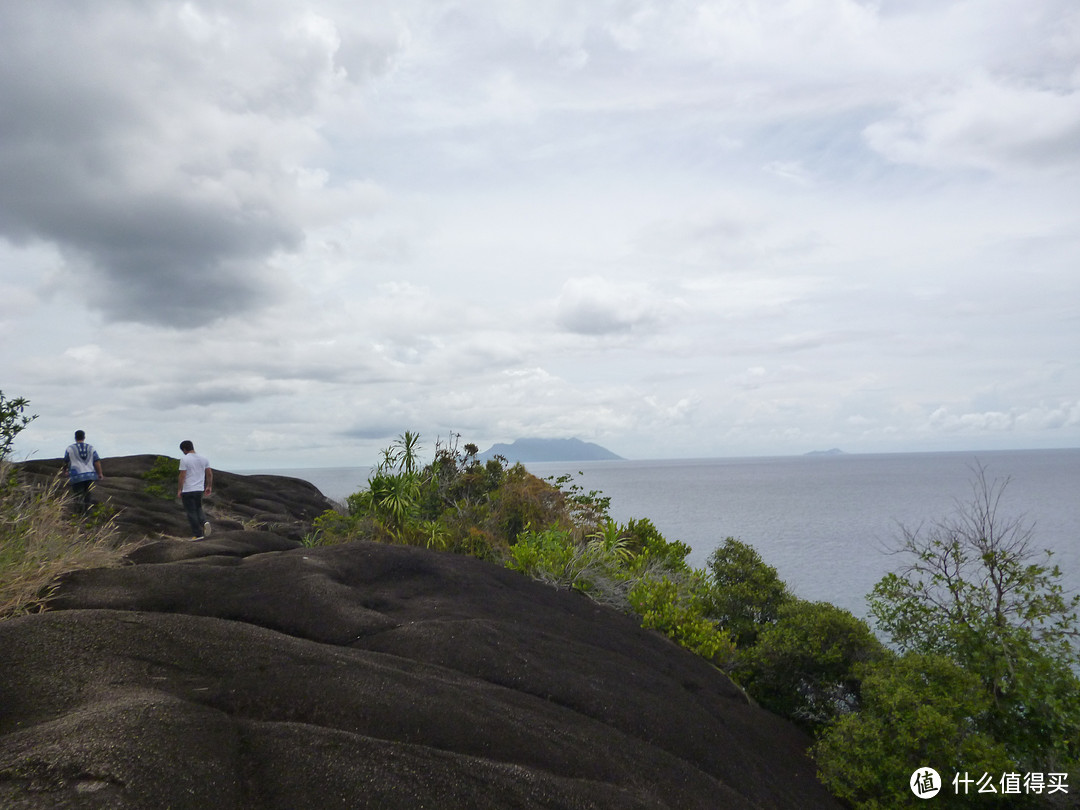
[(925, 783)]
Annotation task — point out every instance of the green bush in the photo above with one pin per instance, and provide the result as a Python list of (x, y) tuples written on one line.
[(917, 711), (454, 503), (746, 594), (977, 592), (594, 566), (676, 607), (805, 666), (650, 549), (550, 556), (161, 478), (13, 420)]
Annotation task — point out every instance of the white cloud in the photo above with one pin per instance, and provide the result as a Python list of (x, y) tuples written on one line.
[(682, 228), (1033, 420), (985, 124), (598, 306)]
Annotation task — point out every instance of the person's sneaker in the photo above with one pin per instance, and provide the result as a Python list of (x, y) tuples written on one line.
[(206, 529)]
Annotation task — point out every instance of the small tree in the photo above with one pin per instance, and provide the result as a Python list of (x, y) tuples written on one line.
[(747, 594), (977, 592), (917, 710), (807, 665), (13, 419)]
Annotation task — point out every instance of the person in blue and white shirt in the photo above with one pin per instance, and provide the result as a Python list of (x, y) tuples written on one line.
[(84, 468)]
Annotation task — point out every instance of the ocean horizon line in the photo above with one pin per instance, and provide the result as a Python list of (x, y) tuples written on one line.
[(812, 454)]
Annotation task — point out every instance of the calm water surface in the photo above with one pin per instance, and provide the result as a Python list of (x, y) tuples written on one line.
[(824, 522)]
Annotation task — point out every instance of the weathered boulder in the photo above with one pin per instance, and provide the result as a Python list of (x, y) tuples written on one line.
[(245, 672), (276, 503)]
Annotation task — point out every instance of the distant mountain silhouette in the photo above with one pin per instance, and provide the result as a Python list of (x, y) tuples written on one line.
[(836, 451), (550, 450)]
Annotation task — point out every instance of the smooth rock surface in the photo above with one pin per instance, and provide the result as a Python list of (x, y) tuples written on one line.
[(245, 671)]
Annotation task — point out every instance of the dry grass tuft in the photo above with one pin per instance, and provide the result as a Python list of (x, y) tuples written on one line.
[(40, 540)]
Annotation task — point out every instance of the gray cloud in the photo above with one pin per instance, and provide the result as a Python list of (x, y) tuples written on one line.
[(375, 432), (597, 306), (155, 144), (987, 124), (694, 227)]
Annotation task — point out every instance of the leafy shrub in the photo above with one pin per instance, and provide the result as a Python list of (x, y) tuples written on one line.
[(13, 420), (161, 478), (916, 710), (747, 594), (522, 501), (584, 508), (593, 567), (550, 556), (975, 591), (651, 549), (805, 666), (676, 607), (455, 503), (332, 527)]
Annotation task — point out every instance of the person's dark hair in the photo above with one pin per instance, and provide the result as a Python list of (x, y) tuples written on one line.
[(79, 435), (186, 445)]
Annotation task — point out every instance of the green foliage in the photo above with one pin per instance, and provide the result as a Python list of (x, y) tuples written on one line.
[(806, 665), (976, 592), (519, 502), (592, 566), (747, 594), (986, 681), (653, 582), (611, 540), (650, 549), (916, 711), (456, 479), (333, 527), (455, 503), (161, 477), (550, 556), (800, 659), (13, 420), (675, 605), (393, 493), (586, 508)]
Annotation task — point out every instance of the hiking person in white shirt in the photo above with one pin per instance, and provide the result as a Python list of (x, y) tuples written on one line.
[(196, 480)]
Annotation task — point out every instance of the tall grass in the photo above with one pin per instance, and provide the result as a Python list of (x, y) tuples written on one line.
[(40, 540)]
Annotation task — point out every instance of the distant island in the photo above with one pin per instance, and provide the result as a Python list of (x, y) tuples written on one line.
[(526, 450), (836, 451)]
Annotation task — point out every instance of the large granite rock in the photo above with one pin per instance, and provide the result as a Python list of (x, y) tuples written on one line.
[(277, 503), (246, 672)]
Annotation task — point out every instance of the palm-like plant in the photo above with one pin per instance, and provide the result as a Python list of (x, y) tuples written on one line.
[(394, 486), (405, 452), (611, 540)]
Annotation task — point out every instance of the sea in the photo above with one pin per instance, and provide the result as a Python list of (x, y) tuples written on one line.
[(829, 524)]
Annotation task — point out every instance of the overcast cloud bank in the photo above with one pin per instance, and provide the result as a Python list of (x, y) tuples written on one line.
[(676, 229)]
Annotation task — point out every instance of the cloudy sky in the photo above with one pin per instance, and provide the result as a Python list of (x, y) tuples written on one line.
[(292, 230)]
